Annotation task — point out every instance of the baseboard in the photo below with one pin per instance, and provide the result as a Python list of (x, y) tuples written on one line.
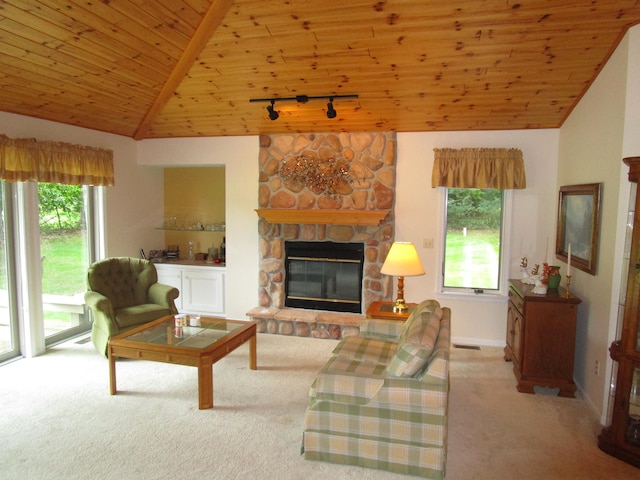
[(477, 341)]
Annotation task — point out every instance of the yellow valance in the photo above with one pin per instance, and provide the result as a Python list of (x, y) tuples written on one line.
[(27, 159), (499, 168)]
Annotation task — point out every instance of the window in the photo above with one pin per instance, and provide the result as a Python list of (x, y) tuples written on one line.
[(474, 240)]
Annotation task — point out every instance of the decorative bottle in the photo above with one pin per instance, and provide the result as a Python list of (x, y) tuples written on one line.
[(223, 250), (192, 255)]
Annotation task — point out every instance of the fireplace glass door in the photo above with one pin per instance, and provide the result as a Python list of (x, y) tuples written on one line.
[(324, 275)]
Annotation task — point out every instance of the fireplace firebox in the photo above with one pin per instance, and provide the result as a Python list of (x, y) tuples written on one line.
[(324, 275)]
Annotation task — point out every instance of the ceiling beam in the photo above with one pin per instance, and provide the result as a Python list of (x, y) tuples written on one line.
[(203, 33)]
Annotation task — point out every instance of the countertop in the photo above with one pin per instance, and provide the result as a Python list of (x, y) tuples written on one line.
[(190, 263)]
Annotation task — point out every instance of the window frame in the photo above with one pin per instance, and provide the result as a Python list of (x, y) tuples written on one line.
[(505, 254)]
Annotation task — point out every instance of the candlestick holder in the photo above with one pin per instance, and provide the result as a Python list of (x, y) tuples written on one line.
[(568, 292)]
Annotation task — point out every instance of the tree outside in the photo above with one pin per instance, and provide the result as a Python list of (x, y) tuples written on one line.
[(63, 238)]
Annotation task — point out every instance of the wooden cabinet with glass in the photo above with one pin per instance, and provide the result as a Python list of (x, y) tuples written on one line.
[(621, 438)]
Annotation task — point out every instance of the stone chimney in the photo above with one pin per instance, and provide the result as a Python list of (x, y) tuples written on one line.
[(372, 161)]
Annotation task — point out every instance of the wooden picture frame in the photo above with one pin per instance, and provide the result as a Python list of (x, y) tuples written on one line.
[(579, 225)]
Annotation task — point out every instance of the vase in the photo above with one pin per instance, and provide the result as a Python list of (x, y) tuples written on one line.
[(553, 280)]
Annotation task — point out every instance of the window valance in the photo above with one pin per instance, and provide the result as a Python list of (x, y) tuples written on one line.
[(499, 168), (27, 159)]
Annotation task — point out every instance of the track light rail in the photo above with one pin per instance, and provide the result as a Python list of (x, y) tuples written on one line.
[(274, 115)]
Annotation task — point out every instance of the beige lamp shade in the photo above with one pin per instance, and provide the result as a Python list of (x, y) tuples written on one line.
[(402, 260)]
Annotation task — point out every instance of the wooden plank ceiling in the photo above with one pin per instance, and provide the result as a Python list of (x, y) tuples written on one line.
[(176, 68)]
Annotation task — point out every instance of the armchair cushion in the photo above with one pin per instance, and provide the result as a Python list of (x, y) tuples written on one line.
[(138, 314), (123, 280)]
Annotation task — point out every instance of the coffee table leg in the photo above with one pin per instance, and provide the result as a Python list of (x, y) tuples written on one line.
[(205, 386), (112, 374), (253, 358)]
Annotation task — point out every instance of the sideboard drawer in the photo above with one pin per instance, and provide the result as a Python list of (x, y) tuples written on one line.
[(517, 300)]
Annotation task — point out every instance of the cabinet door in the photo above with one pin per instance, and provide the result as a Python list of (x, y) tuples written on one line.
[(550, 340), (169, 275), (203, 291), (515, 323)]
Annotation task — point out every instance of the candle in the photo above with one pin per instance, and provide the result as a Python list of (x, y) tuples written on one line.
[(546, 251), (569, 261)]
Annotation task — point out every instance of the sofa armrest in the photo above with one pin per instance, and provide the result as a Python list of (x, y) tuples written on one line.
[(360, 383), (411, 394), (165, 295), (379, 329), (348, 381)]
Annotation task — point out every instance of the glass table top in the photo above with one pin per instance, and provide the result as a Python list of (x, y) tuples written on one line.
[(208, 332)]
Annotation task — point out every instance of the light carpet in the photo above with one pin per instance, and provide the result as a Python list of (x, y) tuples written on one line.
[(58, 421)]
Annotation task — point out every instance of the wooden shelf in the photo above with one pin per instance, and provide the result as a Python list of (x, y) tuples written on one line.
[(326, 217)]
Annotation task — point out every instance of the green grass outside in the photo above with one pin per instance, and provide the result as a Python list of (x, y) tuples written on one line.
[(64, 268), (65, 263), (472, 261)]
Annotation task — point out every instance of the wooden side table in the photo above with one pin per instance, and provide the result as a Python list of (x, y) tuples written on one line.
[(384, 310)]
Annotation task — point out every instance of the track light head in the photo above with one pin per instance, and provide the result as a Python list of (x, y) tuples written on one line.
[(331, 112), (273, 115)]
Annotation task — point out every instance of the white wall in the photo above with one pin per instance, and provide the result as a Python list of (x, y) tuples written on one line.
[(419, 215), (239, 155), (600, 131), (132, 205)]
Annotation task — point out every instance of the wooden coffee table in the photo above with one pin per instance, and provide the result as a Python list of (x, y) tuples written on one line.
[(201, 346)]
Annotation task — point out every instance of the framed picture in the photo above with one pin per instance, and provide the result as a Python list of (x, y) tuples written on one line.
[(578, 226)]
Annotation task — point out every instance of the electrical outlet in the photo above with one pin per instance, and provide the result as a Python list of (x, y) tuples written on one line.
[(597, 368), (427, 243)]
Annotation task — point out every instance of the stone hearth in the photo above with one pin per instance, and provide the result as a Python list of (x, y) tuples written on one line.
[(305, 323), (372, 159)]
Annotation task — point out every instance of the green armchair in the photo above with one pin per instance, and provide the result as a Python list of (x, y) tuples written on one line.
[(123, 293)]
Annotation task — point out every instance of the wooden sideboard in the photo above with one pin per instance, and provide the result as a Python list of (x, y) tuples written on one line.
[(541, 337)]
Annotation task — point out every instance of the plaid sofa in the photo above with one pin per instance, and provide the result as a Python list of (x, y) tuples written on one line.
[(381, 399)]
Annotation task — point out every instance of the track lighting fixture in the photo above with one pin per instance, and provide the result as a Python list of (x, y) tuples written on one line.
[(331, 112), (273, 114)]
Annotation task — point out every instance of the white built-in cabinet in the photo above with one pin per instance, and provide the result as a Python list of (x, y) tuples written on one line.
[(201, 287)]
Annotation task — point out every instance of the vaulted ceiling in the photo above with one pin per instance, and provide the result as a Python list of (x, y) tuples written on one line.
[(182, 68)]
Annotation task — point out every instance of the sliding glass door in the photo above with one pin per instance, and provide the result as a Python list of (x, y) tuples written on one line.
[(46, 246), (9, 333), (65, 255)]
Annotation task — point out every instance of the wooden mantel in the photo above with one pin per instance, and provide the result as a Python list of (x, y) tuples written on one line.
[(333, 217)]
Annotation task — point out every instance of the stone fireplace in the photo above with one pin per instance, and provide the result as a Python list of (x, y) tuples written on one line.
[(292, 211)]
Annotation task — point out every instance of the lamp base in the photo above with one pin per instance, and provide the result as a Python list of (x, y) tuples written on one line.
[(400, 306)]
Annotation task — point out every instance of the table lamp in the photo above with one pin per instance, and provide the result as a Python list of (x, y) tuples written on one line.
[(402, 261)]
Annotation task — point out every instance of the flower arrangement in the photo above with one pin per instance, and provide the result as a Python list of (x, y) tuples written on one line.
[(548, 270), (320, 176)]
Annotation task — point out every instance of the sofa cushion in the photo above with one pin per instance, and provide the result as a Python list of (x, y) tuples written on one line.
[(415, 347), (365, 350), (437, 370), (424, 306)]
